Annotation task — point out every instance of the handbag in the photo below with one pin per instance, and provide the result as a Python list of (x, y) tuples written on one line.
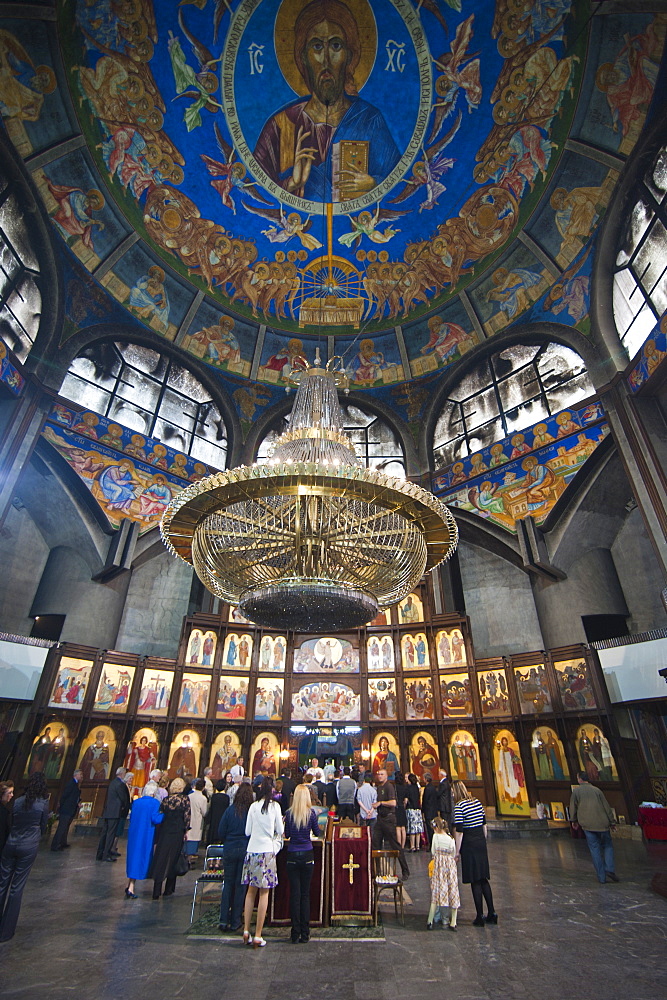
[(181, 865)]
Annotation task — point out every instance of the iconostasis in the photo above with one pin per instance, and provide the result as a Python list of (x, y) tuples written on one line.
[(406, 691)]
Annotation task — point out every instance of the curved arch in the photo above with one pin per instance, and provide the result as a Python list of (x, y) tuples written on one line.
[(129, 333), (603, 324), (531, 333), (270, 417)]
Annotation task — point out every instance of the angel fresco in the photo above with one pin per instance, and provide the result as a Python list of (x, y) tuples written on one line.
[(22, 84), (285, 227), (229, 174), (199, 86), (427, 173), (456, 77), (366, 224)]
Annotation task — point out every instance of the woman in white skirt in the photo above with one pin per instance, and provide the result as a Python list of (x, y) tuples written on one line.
[(444, 879), (264, 826), (414, 812)]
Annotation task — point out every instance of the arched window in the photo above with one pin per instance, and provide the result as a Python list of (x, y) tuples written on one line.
[(505, 392), (376, 444), (20, 297), (150, 393), (640, 279)]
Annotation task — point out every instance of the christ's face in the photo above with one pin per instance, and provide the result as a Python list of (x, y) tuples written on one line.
[(326, 58)]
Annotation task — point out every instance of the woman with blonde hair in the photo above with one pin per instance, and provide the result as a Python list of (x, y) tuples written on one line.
[(264, 827), (174, 827), (300, 823), (470, 835)]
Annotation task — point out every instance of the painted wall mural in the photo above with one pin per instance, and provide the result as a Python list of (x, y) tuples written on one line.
[(269, 700), (455, 695), (71, 684), (326, 654), (524, 475), (595, 755), (193, 698), (225, 752), (380, 653), (326, 701), (265, 755), (511, 793), (9, 376), (194, 138), (652, 735), (385, 753), (418, 698), (464, 753), (48, 751), (414, 651), (652, 354), (232, 698), (411, 610), (575, 687), (113, 690), (493, 694), (97, 754), (272, 652), (184, 754), (155, 692), (382, 702), (549, 755), (450, 648), (533, 689), (237, 651), (201, 648)]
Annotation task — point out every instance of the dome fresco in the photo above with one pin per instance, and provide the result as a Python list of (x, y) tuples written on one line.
[(405, 179)]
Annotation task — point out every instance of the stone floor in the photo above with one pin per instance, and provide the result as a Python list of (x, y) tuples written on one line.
[(560, 935)]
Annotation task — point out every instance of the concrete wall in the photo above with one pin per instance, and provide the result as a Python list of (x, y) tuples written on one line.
[(23, 556), (157, 600), (499, 601), (639, 575)]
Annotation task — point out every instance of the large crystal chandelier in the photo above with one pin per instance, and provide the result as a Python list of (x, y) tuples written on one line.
[(311, 539)]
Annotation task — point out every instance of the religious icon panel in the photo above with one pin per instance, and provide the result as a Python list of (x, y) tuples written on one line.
[(414, 651), (464, 753), (326, 655), (651, 733), (418, 698), (97, 753), (113, 691), (326, 701), (184, 754), (493, 692), (595, 754), (265, 755), (141, 758), (511, 794), (381, 698), (232, 698), (549, 755), (237, 651), (269, 699), (272, 654), (380, 654), (236, 617), (533, 689), (381, 620), (225, 752), (69, 688), (48, 751), (424, 756), (411, 610), (201, 648), (155, 694), (193, 699), (455, 695), (385, 753), (575, 686), (450, 648)]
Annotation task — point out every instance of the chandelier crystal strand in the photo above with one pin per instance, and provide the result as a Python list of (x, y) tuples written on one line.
[(310, 539)]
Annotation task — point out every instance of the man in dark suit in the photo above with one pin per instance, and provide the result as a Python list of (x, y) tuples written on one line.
[(288, 790), (430, 805), (67, 810), (445, 798), (116, 807)]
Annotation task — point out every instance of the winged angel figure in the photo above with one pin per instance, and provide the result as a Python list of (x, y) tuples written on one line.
[(365, 225), (285, 227), (229, 174)]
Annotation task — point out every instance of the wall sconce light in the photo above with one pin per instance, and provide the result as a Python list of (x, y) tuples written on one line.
[(284, 754), (365, 754)]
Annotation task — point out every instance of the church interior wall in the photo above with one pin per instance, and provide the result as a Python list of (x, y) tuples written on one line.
[(499, 601), (23, 556), (639, 575), (157, 599)]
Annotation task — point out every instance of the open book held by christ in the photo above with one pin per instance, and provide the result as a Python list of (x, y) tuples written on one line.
[(351, 155)]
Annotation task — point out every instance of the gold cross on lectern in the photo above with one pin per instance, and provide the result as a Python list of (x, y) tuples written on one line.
[(350, 866)]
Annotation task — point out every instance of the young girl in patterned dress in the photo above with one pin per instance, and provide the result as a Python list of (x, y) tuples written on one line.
[(444, 878)]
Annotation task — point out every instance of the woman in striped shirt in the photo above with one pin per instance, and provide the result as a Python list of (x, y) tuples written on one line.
[(470, 836)]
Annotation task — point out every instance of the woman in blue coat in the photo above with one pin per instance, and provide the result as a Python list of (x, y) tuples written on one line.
[(144, 818)]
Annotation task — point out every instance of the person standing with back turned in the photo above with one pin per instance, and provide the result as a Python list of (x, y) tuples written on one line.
[(590, 810)]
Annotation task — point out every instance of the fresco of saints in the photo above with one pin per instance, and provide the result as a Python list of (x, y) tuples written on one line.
[(183, 760), (509, 771), (296, 145), (95, 761), (385, 758), (74, 215)]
